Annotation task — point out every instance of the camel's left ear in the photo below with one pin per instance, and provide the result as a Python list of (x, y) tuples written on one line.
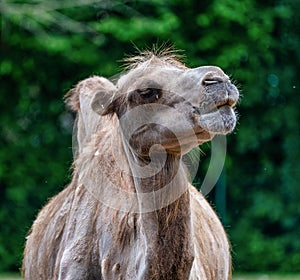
[(103, 98)]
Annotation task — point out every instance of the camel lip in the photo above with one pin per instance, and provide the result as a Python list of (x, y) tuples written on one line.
[(220, 121), (215, 107), (219, 108), (228, 102)]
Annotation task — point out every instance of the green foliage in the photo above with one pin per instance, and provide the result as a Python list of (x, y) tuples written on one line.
[(47, 46)]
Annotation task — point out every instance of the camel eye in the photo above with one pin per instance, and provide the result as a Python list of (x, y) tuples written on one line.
[(150, 93)]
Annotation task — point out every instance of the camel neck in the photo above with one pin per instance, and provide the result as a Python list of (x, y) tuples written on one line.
[(165, 221), (161, 206), (160, 182)]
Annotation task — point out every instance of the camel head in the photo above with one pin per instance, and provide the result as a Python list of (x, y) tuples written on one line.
[(161, 103)]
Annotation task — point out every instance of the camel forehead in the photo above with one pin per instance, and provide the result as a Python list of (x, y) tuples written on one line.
[(149, 78), (156, 71)]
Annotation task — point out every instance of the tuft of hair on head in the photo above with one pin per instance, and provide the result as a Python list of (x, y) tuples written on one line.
[(165, 52)]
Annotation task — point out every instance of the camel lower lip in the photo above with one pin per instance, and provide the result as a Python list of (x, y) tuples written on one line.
[(220, 121)]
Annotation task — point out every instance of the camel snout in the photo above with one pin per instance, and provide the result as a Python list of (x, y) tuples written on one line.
[(209, 75)]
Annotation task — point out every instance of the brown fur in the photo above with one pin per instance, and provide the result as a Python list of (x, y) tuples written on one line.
[(78, 236)]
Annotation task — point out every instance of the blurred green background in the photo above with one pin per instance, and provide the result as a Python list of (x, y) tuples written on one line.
[(47, 46)]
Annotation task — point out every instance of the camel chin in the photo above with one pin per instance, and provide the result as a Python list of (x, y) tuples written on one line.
[(220, 121)]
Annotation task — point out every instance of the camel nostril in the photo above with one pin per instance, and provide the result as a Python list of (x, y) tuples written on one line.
[(214, 76), (208, 82), (212, 80)]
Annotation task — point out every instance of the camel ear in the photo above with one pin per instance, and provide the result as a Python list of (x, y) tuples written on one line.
[(83, 93), (102, 102)]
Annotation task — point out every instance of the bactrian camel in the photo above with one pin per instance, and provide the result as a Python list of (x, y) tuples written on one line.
[(130, 211)]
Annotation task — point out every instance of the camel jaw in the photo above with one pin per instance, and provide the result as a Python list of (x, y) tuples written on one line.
[(220, 121)]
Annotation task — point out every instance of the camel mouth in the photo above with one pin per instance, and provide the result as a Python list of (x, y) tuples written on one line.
[(228, 102), (220, 120), (219, 104), (214, 107), (217, 109)]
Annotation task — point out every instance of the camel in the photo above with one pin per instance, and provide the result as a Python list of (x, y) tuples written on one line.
[(130, 211)]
